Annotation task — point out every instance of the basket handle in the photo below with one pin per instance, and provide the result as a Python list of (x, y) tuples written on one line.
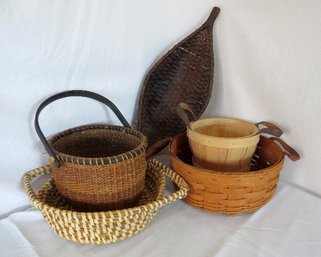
[(30, 175), (269, 128), (212, 17), (156, 149), (178, 180), (287, 150), (78, 93), (181, 110)]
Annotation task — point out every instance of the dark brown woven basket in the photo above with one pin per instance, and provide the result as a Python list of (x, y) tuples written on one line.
[(97, 167), (184, 74)]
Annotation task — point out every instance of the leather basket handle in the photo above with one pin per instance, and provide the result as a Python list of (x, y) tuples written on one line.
[(181, 110), (156, 149), (269, 128), (287, 150), (77, 93)]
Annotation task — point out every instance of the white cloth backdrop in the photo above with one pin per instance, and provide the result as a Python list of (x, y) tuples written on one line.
[(267, 67)]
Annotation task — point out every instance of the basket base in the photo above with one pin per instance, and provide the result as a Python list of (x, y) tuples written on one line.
[(208, 207)]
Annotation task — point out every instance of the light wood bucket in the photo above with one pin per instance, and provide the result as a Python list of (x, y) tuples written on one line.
[(223, 143)]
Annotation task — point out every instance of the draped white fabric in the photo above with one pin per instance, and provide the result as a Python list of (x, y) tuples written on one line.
[(267, 67)]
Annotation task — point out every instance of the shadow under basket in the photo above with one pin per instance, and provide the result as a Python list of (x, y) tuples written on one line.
[(231, 192), (105, 226)]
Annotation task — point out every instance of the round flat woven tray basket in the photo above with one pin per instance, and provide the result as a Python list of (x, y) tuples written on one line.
[(232, 192), (105, 226)]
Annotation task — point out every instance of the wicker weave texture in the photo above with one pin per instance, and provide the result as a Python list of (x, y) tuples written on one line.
[(184, 74), (230, 192), (103, 166), (103, 227)]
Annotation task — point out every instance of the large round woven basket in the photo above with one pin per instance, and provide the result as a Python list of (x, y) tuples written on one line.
[(97, 167), (232, 192), (109, 226)]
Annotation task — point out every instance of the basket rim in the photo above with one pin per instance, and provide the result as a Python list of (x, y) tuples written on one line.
[(198, 124), (141, 148), (159, 201), (144, 207), (225, 173)]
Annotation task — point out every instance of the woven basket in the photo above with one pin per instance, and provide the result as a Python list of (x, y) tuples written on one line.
[(232, 192), (103, 227), (185, 73), (97, 167)]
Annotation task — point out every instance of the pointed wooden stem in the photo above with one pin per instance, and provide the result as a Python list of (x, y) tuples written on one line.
[(212, 17)]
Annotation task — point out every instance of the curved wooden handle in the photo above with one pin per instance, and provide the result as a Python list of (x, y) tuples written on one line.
[(156, 148), (210, 20), (269, 128), (288, 150), (181, 110)]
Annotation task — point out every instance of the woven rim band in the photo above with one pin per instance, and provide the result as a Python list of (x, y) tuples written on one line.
[(152, 206), (101, 160)]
